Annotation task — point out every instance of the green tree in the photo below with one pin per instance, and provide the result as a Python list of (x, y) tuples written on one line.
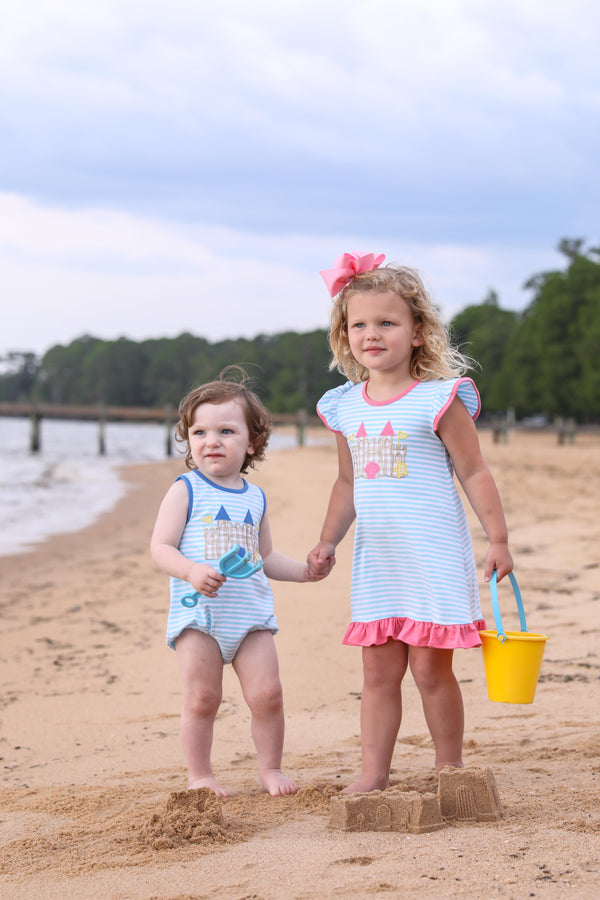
[(483, 333), (172, 365), (551, 361), (112, 374), (59, 377), (17, 376)]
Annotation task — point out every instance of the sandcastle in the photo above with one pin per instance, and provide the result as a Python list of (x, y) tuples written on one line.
[(386, 811), (469, 795), (464, 795)]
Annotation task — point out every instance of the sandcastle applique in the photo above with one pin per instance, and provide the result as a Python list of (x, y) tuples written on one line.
[(381, 456), (224, 533)]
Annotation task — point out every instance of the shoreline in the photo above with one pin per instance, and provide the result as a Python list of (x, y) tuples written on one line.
[(89, 743), (117, 468)]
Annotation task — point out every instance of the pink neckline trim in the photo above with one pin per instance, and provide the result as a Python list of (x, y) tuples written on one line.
[(367, 399)]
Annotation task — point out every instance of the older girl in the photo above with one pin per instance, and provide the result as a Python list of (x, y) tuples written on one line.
[(404, 424)]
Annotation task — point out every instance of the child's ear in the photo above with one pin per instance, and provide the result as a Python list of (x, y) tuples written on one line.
[(418, 338)]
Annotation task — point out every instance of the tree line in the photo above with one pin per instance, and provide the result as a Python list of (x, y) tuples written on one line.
[(541, 360)]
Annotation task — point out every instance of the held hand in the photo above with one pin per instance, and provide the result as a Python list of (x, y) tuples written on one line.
[(321, 560), (498, 558), (206, 580), (312, 574)]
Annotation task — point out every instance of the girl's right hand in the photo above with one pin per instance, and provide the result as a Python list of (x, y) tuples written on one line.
[(205, 579), (498, 558), (321, 559)]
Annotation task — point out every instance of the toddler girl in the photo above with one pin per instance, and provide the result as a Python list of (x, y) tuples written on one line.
[(404, 424), (214, 620)]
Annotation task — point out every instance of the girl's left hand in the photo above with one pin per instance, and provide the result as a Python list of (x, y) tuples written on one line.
[(321, 560), (314, 575)]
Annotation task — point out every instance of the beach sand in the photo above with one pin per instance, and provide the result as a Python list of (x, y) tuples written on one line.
[(93, 800)]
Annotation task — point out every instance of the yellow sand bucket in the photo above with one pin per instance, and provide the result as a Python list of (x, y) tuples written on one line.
[(512, 659)]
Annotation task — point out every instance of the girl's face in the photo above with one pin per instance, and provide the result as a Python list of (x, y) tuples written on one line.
[(382, 333), (219, 440)]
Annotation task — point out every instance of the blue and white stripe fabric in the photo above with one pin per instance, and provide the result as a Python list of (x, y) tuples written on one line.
[(413, 555), (218, 518)]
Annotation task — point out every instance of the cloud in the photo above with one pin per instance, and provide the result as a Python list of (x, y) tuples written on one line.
[(110, 274), (197, 106), (156, 154)]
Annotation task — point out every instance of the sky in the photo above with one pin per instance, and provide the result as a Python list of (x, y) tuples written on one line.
[(172, 166)]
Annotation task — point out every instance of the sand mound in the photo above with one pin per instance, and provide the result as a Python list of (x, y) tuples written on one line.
[(190, 817), (316, 798)]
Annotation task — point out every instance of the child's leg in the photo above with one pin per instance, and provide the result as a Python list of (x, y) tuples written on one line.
[(384, 668), (201, 667), (442, 702), (257, 668)]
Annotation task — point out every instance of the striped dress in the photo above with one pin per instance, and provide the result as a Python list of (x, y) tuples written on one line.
[(218, 518), (413, 576)]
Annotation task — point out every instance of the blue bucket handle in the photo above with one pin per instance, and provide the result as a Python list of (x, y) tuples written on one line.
[(501, 634)]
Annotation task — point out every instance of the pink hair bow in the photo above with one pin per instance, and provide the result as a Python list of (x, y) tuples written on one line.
[(346, 267)]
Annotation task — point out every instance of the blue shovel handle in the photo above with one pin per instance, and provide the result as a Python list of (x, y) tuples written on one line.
[(501, 634)]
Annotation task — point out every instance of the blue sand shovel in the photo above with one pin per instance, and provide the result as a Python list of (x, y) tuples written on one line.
[(236, 563)]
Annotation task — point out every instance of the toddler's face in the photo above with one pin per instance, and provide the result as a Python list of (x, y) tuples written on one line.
[(219, 441)]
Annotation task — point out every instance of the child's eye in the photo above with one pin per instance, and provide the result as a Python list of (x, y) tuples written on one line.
[(199, 432), (358, 325), (226, 430), (386, 323)]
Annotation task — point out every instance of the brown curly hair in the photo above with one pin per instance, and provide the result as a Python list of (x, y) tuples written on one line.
[(222, 390), (434, 359)]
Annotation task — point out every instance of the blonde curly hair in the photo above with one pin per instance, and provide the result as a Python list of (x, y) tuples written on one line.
[(433, 360)]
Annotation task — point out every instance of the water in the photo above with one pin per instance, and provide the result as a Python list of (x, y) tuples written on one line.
[(67, 485)]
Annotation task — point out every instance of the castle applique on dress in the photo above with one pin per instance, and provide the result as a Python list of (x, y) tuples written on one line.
[(381, 456), (223, 534)]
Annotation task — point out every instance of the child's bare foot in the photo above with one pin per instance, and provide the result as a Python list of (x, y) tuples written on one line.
[(208, 781), (365, 786), (276, 783)]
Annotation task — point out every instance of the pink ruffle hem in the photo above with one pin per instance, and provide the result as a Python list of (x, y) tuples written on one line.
[(417, 634)]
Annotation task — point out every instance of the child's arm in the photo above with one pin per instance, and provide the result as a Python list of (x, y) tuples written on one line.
[(340, 513), (164, 546), (276, 565), (457, 431)]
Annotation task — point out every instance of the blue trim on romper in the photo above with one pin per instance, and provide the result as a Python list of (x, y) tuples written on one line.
[(190, 495), (218, 487)]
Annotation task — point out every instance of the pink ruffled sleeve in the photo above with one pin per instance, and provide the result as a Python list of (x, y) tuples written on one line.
[(448, 390), (327, 407)]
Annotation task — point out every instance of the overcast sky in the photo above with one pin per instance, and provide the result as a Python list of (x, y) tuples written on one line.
[(185, 165)]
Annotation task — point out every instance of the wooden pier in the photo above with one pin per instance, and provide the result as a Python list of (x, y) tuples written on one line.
[(36, 412)]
